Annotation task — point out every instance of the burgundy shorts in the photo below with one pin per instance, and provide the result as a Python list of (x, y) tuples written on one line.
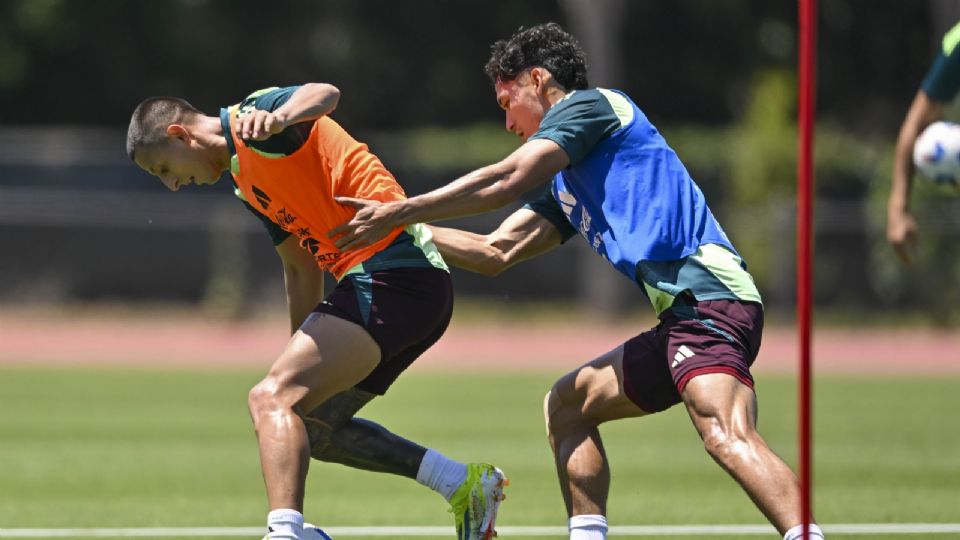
[(713, 336), (405, 310)]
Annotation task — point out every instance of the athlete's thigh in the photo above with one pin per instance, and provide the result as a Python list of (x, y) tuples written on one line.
[(720, 401), (405, 310), (593, 391), (326, 356)]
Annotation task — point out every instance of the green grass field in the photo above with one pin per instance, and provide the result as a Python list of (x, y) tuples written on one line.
[(135, 448)]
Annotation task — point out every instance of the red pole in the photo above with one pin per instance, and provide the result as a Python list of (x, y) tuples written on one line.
[(806, 122)]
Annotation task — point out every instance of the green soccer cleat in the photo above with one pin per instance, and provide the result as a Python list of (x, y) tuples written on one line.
[(476, 501)]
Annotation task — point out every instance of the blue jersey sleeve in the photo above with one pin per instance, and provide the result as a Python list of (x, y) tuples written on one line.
[(578, 122), (943, 79), (547, 206)]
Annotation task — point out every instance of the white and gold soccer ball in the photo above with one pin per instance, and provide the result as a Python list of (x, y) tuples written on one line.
[(936, 153)]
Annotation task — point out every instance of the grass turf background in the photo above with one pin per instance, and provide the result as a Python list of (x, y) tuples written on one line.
[(135, 448)]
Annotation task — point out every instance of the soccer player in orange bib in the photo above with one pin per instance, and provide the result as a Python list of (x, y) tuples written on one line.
[(393, 298)]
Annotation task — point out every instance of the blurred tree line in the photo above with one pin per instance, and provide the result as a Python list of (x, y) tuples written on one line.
[(717, 77), (418, 62)]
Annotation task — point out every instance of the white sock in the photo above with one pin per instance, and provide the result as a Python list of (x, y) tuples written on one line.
[(441, 473), (588, 527), (796, 533), (285, 524)]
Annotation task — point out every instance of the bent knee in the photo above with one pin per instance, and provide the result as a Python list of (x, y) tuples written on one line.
[(562, 412), (727, 445), (270, 394), (550, 403)]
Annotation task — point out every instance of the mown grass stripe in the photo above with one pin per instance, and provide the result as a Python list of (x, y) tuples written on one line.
[(851, 529)]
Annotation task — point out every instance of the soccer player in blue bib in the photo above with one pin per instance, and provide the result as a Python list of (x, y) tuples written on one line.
[(614, 181), (939, 87)]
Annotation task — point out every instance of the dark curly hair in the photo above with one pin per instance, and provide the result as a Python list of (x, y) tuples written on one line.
[(546, 45)]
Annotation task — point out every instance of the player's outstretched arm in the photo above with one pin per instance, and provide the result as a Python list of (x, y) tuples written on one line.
[(303, 280), (901, 227), (523, 235), (482, 190), (309, 102)]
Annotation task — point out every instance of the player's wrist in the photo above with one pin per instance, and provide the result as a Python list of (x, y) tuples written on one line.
[(898, 207), (281, 121), (899, 199), (399, 212)]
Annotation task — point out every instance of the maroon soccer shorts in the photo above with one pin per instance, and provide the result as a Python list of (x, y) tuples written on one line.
[(405, 310), (713, 336)]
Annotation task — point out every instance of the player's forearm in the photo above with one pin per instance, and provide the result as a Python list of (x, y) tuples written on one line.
[(469, 251), (923, 111), (903, 170), (488, 188), (523, 235), (309, 102), (480, 191)]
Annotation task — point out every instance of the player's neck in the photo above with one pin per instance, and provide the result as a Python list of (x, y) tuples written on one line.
[(554, 94), (210, 133)]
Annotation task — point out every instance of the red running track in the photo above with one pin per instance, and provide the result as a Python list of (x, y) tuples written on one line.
[(180, 340)]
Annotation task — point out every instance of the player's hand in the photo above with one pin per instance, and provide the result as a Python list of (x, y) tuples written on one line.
[(902, 235), (258, 125), (373, 221)]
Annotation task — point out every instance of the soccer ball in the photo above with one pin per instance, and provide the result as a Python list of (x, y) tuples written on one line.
[(312, 532), (937, 153)]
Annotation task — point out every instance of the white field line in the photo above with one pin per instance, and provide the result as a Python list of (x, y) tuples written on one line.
[(852, 529)]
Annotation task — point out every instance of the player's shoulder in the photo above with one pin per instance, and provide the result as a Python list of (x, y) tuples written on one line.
[(593, 102), (942, 81), (950, 40), (576, 100), (268, 99), (593, 96), (587, 95)]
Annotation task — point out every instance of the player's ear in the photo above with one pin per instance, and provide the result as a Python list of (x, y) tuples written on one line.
[(540, 78), (178, 131), (536, 77)]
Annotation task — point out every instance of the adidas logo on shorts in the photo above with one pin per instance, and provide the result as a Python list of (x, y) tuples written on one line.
[(683, 353)]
